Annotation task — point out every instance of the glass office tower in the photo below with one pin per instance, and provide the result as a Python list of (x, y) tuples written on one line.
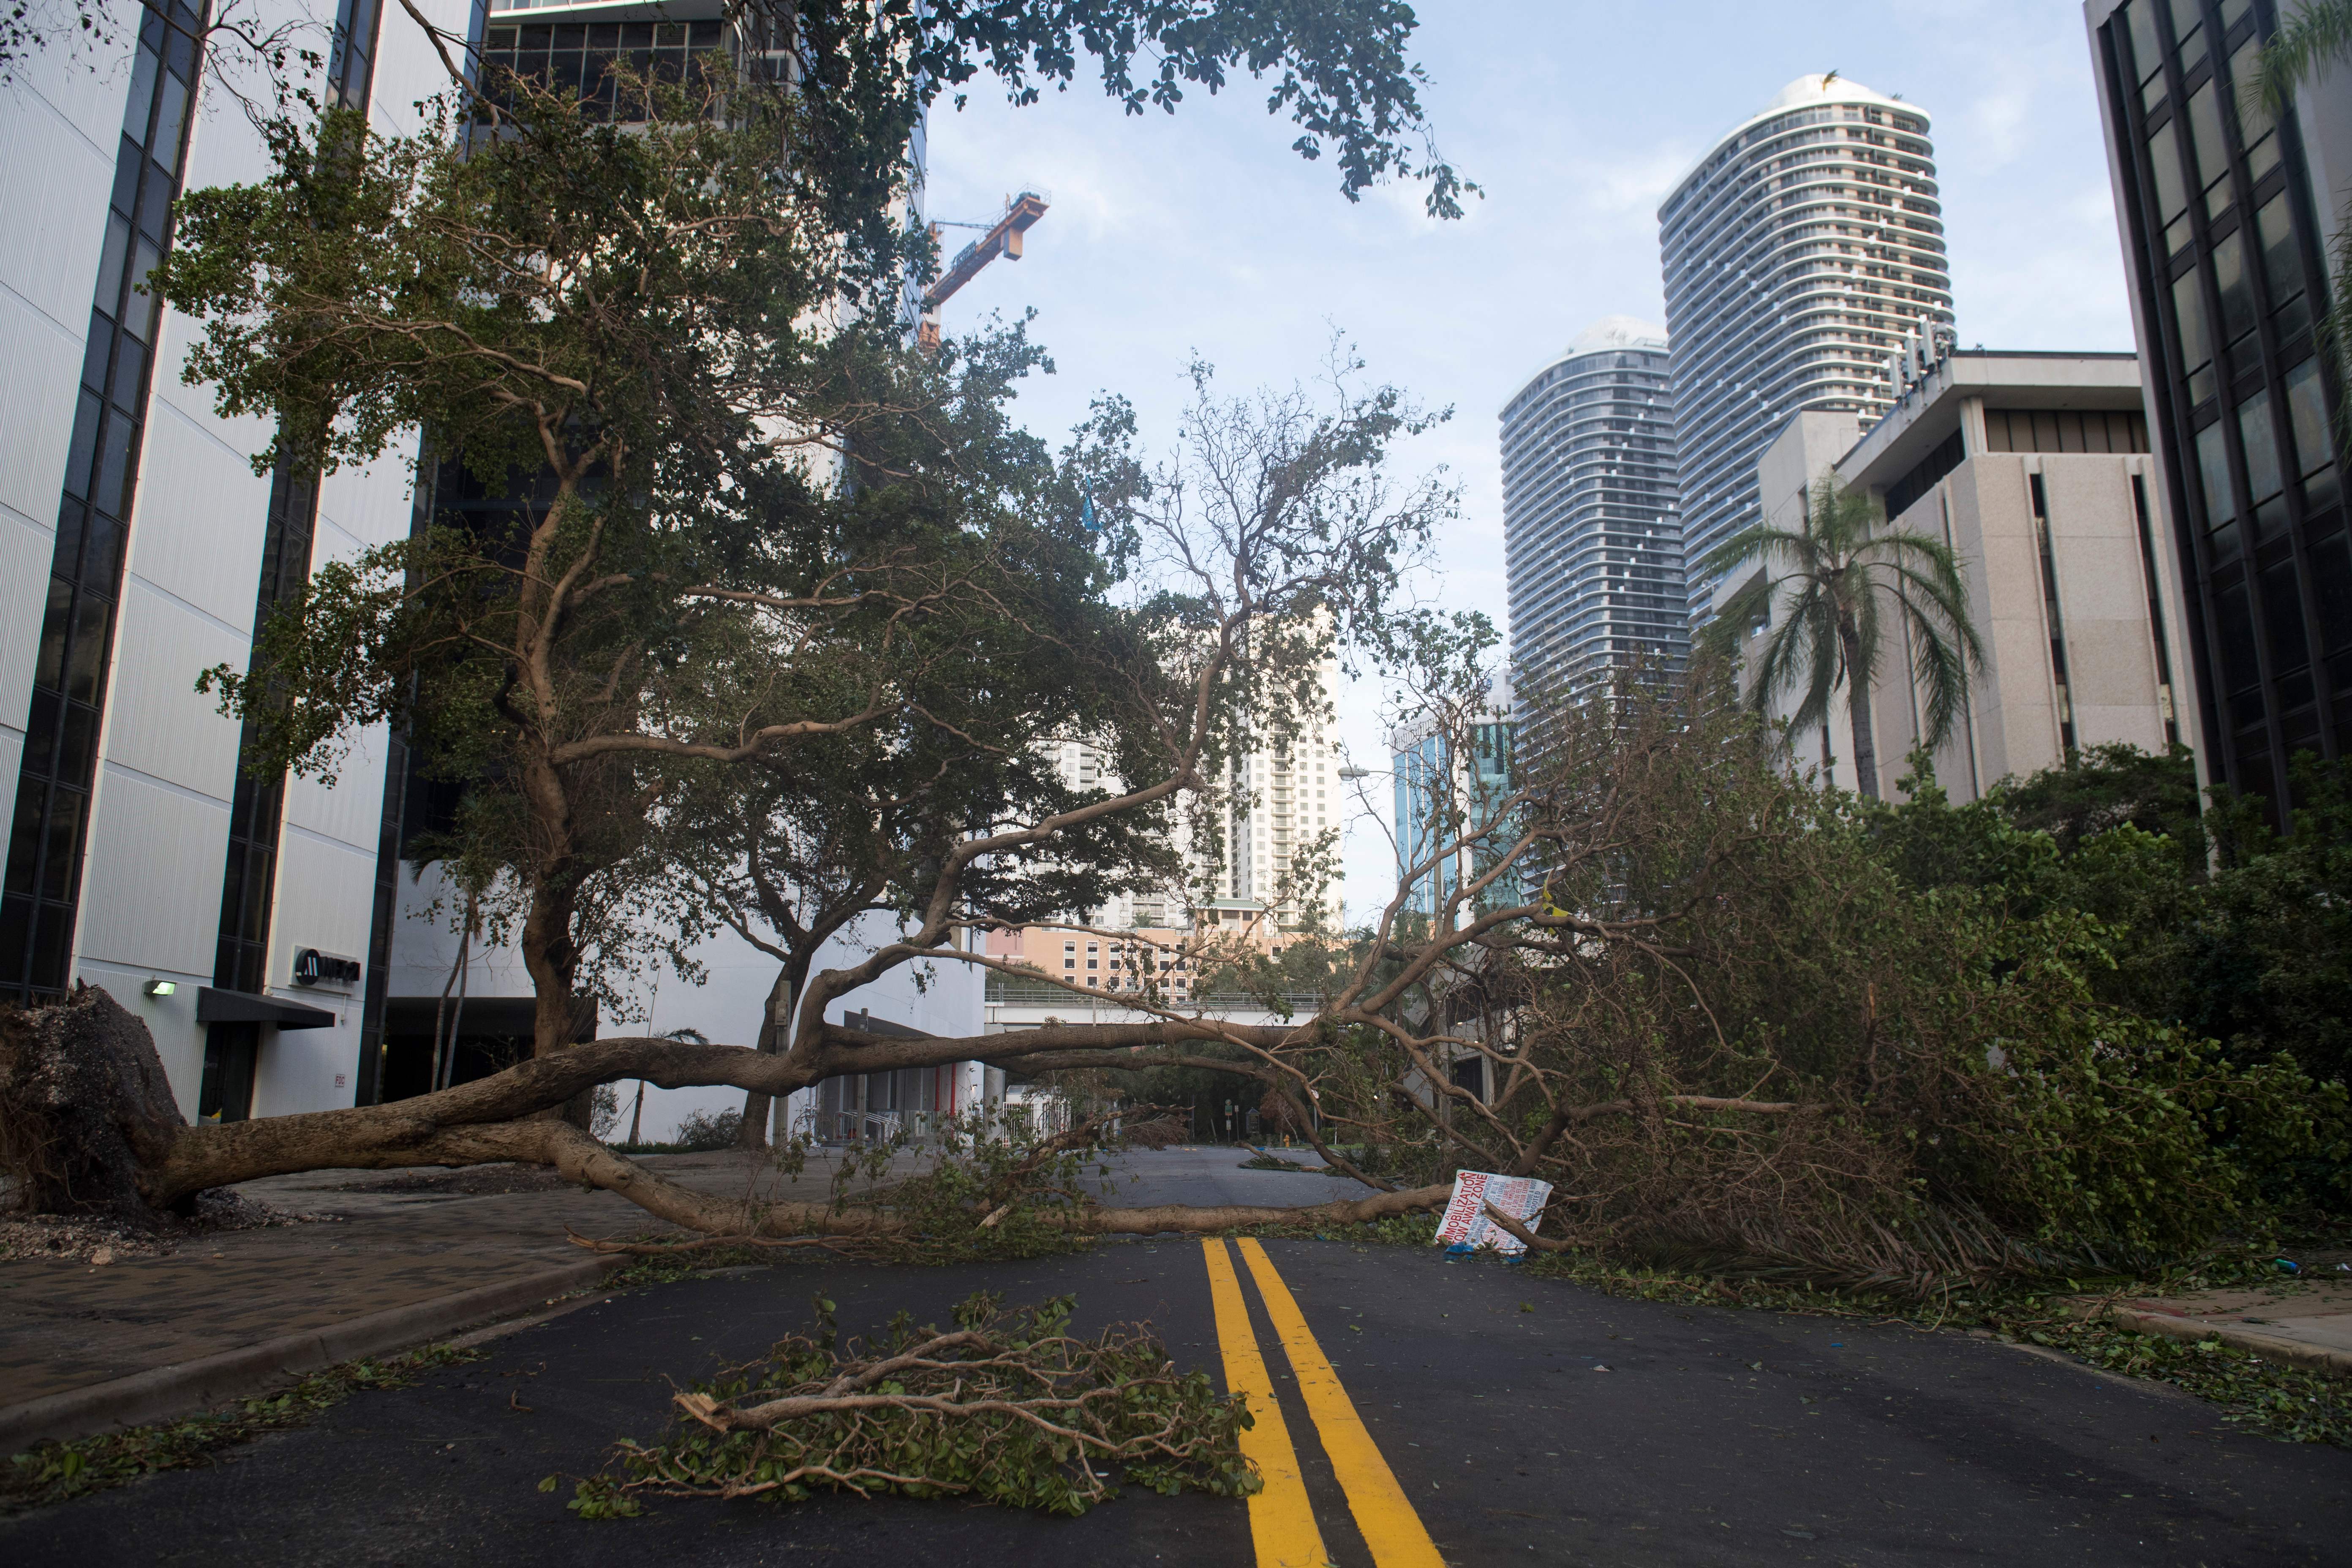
[(2223, 210)]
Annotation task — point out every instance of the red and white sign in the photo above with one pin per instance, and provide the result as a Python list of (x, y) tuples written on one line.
[(1466, 1223)]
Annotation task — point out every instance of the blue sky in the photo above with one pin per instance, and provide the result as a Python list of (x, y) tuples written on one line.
[(1202, 232)]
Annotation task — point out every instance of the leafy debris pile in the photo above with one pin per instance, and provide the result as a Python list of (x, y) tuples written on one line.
[(1007, 1406)]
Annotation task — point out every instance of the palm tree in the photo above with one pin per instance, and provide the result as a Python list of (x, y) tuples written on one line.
[(2317, 36), (1841, 571)]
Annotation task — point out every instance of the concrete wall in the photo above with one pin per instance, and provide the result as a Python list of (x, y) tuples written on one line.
[(1984, 508), (152, 876)]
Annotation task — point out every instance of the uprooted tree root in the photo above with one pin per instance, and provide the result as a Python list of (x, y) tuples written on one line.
[(1007, 1406)]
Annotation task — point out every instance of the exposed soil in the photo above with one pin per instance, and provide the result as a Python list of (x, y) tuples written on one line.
[(65, 1238)]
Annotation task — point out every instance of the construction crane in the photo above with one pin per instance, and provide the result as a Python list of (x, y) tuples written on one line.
[(1003, 238)]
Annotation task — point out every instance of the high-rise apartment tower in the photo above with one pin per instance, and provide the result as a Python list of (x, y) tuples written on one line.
[(2228, 213), (1799, 253), (1591, 536)]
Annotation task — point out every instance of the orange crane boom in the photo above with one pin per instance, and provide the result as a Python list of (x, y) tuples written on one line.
[(1003, 238)]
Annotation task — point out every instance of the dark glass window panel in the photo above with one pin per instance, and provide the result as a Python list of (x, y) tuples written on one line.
[(138, 311), (169, 116), (2189, 309), (110, 263), (499, 38), (604, 35), (41, 728), (2229, 281), (16, 931), (127, 161), (2139, 22), (563, 74), (2223, 543), (2260, 159), (2270, 520), (2235, 622), (570, 36), (669, 34), (2205, 136), (2282, 267), (180, 52), (2295, 689), (25, 840), (129, 365), (2293, 320), (2263, 477), (232, 891), (2331, 590), (142, 99), (49, 661), (2254, 118), (113, 471), (78, 756), (704, 35), (2164, 162), (96, 350), (2321, 491), (637, 34), (52, 928), (2306, 406), (86, 657), (154, 211), (60, 835), (84, 447), (2282, 618), (101, 559), (256, 914), (2187, 35), (2213, 464)]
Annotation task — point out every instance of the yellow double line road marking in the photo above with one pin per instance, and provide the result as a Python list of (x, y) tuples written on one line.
[(1282, 1521)]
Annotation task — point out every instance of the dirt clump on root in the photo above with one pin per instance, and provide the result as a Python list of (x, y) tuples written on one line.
[(99, 1241)]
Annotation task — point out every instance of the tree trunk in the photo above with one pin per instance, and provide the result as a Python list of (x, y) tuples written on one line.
[(775, 1026), (1865, 746), (552, 960)]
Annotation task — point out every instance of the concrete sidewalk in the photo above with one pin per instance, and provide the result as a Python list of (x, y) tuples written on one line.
[(2299, 1319), (410, 1257)]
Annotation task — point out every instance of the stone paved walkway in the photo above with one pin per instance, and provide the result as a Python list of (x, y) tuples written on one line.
[(65, 1325)]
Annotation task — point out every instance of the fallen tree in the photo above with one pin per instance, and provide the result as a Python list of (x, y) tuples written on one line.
[(89, 1126)]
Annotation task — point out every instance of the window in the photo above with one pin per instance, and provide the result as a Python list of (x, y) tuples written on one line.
[(2262, 447), (2214, 466), (2064, 430)]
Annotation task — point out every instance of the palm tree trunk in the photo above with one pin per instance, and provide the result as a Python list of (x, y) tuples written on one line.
[(1865, 745)]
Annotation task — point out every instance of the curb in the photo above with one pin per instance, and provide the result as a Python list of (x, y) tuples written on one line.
[(2270, 1347), (164, 1392)]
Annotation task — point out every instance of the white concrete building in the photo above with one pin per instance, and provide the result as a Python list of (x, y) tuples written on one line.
[(2035, 468), (138, 548), (1797, 251)]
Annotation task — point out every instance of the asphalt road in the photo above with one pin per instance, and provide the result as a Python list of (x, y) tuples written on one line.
[(1588, 1430)]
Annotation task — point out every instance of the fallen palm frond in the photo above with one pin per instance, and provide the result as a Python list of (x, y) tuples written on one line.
[(1007, 1406)]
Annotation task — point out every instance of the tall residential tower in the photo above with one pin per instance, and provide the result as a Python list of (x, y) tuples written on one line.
[(1799, 253), (1591, 536)]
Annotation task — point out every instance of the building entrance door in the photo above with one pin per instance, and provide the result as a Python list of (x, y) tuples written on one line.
[(232, 1053)]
